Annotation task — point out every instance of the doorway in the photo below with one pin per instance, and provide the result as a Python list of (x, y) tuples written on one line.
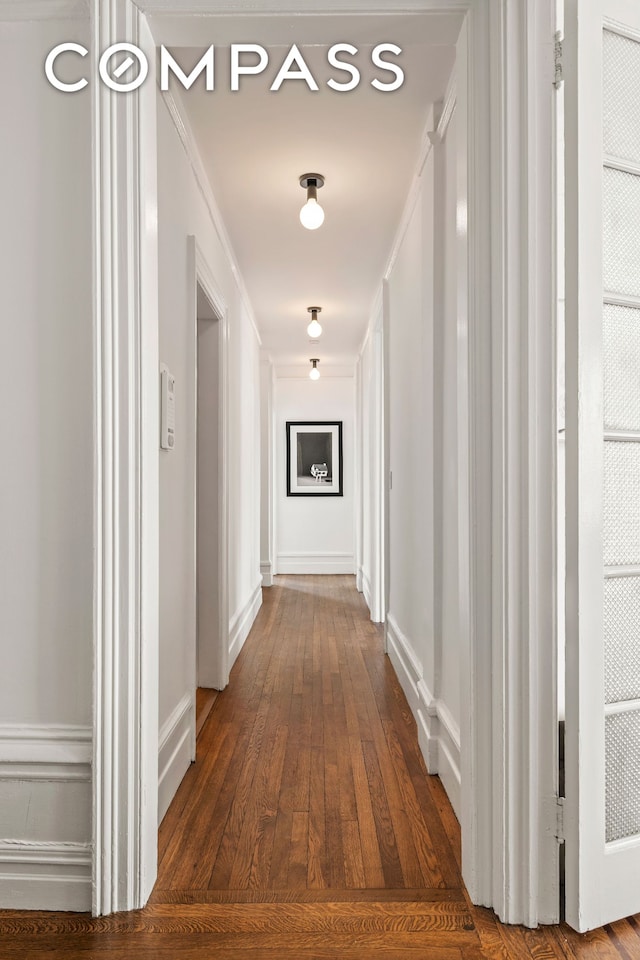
[(508, 764)]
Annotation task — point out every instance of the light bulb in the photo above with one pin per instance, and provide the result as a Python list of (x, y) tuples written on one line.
[(314, 329), (314, 373), (312, 214)]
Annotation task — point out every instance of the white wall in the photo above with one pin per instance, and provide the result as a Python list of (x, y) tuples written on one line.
[(421, 367), (46, 490), (182, 211), (315, 535), (411, 369)]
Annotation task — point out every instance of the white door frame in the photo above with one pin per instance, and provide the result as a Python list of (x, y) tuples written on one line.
[(126, 468), (201, 274), (509, 730)]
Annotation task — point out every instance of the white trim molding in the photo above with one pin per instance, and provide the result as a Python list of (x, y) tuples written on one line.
[(45, 875), (45, 763), (310, 562), (242, 622), (45, 743), (126, 497), (176, 750), (438, 732), (266, 571), (509, 731)]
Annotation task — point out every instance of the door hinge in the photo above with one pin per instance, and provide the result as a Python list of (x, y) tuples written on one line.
[(557, 60), (560, 819)]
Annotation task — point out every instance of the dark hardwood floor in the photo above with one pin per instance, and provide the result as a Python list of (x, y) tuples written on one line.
[(308, 827)]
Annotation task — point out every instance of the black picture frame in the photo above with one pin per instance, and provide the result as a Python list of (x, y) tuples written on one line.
[(314, 458)]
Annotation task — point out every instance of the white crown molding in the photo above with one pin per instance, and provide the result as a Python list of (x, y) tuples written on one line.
[(190, 147), (29, 10)]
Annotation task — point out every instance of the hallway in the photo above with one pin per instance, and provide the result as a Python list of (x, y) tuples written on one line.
[(308, 828)]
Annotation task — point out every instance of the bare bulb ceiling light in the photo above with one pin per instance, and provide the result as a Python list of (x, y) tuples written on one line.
[(314, 329), (312, 214), (314, 373)]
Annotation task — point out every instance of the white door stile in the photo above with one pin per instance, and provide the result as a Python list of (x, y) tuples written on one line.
[(602, 878)]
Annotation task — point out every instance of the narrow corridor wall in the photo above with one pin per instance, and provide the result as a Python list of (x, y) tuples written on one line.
[(422, 373), (315, 535), (183, 212)]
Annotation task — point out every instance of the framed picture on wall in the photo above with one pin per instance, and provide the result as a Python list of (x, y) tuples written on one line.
[(314, 458)]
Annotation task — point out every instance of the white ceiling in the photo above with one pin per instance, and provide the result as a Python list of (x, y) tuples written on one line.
[(255, 145)]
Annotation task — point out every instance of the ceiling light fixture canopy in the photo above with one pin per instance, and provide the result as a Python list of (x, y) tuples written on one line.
[(312, 214), (314, 329), (314, 373)]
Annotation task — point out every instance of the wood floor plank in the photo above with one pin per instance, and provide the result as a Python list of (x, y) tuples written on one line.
[(241, 946), (305, 895)]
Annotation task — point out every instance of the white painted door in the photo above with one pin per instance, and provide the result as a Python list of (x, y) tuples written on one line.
[(602, 142)]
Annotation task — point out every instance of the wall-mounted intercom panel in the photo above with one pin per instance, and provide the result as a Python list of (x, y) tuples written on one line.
[(167, 408)]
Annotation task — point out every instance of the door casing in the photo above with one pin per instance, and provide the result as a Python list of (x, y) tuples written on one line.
[(509, 723)]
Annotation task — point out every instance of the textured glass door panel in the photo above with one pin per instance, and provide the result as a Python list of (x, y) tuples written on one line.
[(621, 237), (621, 97), (622, 775), (621, 526), (622, 639), (621, 346)]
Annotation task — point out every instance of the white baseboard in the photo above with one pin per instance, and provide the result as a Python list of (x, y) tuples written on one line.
[(405, 663), (242, 622), (438, 732), (176, 751), (41, 875), (316, 563), (359, 579), (266, 569), (45, 772)]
